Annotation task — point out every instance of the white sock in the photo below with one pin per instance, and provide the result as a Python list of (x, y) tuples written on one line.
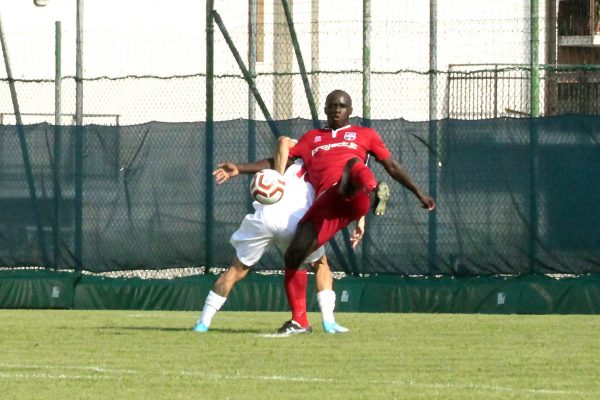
[(213, 303), (326, 299)]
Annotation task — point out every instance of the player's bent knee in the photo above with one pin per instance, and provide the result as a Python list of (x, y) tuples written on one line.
[(234, 273)]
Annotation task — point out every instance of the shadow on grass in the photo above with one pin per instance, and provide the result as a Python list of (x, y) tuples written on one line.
[(158, 328)]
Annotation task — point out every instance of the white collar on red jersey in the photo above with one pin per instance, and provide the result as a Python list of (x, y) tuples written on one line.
[(335, 131)]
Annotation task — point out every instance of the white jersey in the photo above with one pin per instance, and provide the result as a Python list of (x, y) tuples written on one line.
[(276, 223)]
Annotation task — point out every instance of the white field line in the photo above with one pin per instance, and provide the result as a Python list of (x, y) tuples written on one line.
[(74, 367), (151, 314), (33, 375), (272, 335), (256, 377), (109, 373), (493, 388)]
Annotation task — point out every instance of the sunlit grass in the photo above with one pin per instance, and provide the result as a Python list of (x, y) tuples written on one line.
[(155, 355)]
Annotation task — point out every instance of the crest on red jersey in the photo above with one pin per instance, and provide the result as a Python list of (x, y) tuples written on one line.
[(349, 135)]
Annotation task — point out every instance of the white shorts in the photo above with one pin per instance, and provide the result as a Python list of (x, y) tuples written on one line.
[(256, 234)]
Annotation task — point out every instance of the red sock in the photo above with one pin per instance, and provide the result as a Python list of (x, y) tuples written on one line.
[(362, 177), (295, 282)]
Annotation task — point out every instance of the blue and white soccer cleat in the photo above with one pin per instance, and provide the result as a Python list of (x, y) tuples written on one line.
[(200, 327), (334, 327)]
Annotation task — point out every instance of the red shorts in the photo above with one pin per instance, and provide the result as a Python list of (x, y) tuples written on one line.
[(331, 212)]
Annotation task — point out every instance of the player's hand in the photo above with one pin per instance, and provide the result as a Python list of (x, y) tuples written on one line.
[(225, 171), (358, 233), (427, 202)]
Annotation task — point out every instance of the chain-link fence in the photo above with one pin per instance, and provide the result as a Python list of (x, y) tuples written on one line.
[(465, 92), (507, 203), (421, 60)]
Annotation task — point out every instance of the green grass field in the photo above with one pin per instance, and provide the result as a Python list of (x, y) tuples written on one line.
[(155, 355)]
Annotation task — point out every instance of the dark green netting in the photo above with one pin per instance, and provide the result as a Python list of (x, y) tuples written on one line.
[(514, 196), (527, 294)]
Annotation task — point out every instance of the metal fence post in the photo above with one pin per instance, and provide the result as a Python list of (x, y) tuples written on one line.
[(79, 139), (433, 134), (24, 152), (533, 133), (209, 138), (57, 140)]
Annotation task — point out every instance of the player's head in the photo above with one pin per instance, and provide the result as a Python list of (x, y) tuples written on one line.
[(338, 108)]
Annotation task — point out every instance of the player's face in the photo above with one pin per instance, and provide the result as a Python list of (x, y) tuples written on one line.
[(338, 109)]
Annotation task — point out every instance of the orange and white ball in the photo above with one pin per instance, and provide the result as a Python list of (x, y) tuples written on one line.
[(267, 186)]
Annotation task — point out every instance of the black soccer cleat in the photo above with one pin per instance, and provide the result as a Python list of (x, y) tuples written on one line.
[(291, 327), (382, 195)]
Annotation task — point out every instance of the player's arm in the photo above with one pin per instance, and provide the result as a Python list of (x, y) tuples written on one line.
[(359, 231), (282, 153), (229, 170), (395, 170)]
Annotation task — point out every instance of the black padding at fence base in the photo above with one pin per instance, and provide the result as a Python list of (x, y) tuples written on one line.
[(529, 294), (37, 289)]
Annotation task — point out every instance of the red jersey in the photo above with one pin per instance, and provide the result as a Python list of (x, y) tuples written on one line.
[(326, 151)]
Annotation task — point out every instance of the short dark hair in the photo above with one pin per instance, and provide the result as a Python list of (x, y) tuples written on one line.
[(339, 92)]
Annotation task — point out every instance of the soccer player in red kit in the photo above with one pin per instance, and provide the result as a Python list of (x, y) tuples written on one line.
[(334, 158)]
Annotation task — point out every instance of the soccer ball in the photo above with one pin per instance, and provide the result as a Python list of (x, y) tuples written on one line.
[(267, 186)]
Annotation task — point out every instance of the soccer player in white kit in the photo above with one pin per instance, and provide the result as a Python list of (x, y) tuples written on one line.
[(273, 224)]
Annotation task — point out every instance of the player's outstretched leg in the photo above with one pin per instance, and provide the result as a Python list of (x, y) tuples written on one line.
[(356, 177)]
